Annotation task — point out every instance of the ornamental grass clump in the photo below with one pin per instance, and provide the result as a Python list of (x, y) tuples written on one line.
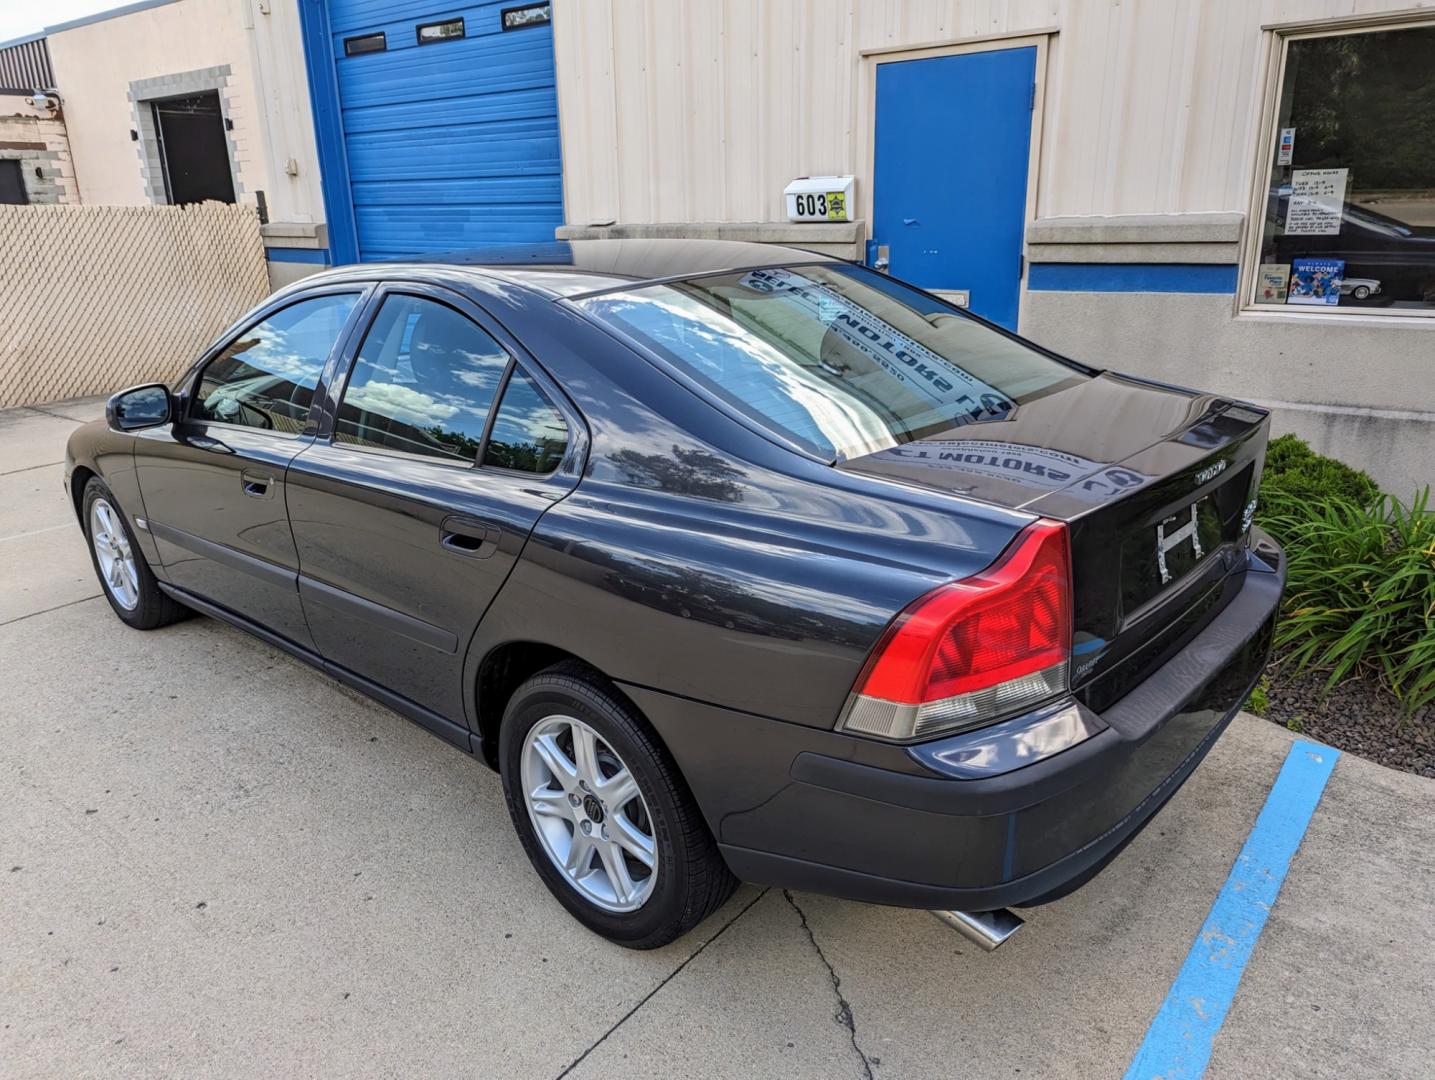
[(1360, 590)]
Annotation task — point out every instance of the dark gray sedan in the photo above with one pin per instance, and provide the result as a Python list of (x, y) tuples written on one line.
[(737, 562)]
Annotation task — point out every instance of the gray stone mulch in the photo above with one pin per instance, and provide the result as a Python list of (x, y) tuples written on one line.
[(1358, 716)]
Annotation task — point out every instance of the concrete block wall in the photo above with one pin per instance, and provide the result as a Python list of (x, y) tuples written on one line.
[(36, 138)]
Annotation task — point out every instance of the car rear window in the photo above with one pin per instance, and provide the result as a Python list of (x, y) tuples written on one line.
[(840, 360)]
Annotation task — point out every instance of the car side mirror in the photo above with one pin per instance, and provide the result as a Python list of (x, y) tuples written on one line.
[(140, 407)]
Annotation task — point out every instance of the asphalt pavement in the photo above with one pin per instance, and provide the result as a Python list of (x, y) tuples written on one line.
[(215, 861)]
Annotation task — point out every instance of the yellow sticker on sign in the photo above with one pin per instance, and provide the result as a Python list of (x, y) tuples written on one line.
[(836, 206)]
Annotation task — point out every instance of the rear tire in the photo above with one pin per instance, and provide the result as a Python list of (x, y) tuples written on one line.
[(128, 582), (589, 785)]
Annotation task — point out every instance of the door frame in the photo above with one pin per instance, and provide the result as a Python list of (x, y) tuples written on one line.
[(334, 185), (166, 176), (1042, 39)]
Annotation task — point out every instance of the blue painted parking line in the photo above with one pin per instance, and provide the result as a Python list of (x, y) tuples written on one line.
[(1178, 1042)]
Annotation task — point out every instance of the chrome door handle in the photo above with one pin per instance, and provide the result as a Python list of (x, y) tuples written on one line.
[(466, 536), (255, 484)]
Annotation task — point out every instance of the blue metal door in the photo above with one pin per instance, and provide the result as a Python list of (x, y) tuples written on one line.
[(950, 173), (449, 123)]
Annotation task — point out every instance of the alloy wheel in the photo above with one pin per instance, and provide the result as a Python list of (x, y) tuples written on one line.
[(589, 814), (116, 559)]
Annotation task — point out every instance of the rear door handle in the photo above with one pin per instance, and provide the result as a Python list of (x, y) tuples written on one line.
[(468, 536), (257, 484)]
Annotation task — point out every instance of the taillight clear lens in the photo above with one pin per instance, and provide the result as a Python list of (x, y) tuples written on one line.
[(975, 650)]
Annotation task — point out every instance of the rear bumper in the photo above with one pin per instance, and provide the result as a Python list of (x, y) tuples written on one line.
[(824, 812)]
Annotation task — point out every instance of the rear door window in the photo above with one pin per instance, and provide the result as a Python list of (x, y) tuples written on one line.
[(529, 434), (266, 377), (422, 382)]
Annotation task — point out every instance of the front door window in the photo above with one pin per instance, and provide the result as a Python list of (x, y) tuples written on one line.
[(266, 377)]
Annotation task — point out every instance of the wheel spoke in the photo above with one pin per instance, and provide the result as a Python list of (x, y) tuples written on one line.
[(556, 760), (550, 803), (617, 791), (617, 871), (631, 839), (117, 573), (585, 755), (580, 854)]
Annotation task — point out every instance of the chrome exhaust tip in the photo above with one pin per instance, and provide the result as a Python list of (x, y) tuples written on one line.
[(989, 929)]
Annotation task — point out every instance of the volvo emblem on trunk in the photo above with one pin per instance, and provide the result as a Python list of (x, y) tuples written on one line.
[(1166, 541), (1210, 472)]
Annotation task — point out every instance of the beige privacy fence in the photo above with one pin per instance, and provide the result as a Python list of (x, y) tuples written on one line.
[(95, 298)]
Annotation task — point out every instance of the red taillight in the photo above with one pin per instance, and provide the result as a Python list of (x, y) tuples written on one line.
[(976, 649)]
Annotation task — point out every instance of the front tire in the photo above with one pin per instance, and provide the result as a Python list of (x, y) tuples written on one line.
[(603, 813), (128, 582)]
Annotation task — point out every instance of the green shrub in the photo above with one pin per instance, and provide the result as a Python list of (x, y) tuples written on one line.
[(1360, 593), (1295, 475), (1260, 699)]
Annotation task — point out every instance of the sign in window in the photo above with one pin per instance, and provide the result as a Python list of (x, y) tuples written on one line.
[(1347, 215)]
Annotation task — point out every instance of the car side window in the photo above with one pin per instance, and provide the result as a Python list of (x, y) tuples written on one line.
[(266, 377), (422, 382), (528, 434)]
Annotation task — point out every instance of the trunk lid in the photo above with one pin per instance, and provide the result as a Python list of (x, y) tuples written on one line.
[(1156, 484)]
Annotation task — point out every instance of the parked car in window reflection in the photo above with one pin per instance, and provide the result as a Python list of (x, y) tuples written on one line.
[(1398, 257)]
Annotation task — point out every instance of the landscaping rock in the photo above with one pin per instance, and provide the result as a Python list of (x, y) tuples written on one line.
[(1358, 716)]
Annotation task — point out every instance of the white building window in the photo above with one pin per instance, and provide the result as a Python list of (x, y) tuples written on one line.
[(1344, 212)]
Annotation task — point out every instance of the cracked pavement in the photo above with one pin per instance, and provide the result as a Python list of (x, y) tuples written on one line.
[(843, 1015), (215, 861)]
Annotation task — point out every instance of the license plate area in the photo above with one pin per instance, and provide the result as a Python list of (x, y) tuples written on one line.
[(1161, 555)]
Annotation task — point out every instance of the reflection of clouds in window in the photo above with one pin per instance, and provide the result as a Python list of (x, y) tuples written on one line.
[(422, 382), (533, 421), (274, 353), (402, 403), (837, 359), (490, 368), (793, 396), (528, 432), (266, 378), (295, 342)]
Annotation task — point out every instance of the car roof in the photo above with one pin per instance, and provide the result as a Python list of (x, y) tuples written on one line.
[(577, 267)]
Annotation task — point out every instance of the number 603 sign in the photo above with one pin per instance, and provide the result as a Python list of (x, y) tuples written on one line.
[(819, 198)]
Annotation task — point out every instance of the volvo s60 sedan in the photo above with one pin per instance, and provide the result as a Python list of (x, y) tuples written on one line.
[(735, 561)]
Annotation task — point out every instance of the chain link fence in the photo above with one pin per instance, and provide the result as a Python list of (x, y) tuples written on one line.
[(96, 298)]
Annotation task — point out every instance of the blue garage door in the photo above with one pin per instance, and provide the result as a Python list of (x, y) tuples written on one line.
[(450, 123), (949, 186)]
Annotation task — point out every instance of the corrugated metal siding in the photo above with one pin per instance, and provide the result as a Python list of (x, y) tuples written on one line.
[(26, 66), (702, 110), (453, 143)]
